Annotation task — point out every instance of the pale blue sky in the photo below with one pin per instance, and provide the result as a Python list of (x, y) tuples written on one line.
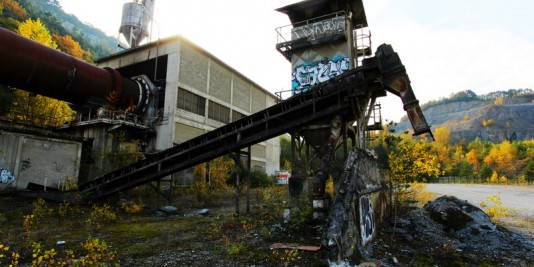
[(446, 46)]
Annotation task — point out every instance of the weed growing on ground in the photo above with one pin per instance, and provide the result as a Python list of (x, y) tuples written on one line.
[(10, 259), (131, 207), (40, 209), (286, 257), (100, 216), (409, 196), (98, 254), (494, 208)]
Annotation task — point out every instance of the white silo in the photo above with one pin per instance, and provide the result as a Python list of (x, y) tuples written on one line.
[(136, 17)]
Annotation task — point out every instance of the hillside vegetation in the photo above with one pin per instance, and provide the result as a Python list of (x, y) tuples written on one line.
[(495, 117), (57, 22)]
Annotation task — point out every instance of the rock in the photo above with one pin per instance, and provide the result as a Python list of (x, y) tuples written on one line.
[(449, 230), (451, 212)]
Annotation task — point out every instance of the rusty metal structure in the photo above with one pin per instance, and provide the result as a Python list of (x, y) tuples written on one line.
[(323, 113), (328, 39), (42, 70)]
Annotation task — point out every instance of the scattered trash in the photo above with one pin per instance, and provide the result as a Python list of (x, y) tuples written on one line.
[(61, 242), (168, 209)]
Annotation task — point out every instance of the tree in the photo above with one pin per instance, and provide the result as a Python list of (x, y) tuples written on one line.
[(285, 150), (219, 171), (37, 109), (12, 9), (409, 161), (35, 30), (498, 101), (472, 158), (494, 178), (69, 46), (485, 172), (501, 158), (442, 136), (465, 169)]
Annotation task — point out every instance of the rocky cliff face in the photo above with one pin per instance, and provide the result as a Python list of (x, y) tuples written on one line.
[(466, 120)]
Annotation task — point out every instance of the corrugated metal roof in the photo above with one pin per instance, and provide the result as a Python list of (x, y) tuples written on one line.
[(310, 9)]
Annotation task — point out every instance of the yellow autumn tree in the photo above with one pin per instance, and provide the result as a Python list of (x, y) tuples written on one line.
[(219, 171), (70, 46), (36, 109), (494, 178), (499, 101), (442, 136), (472, 158), (410, 161), (441, 149), (501, 158)]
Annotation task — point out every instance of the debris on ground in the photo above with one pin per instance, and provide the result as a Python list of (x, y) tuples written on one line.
[(449, 232), (294, 246)]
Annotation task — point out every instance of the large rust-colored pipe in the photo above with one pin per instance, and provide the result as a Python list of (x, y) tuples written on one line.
[(36, 68)]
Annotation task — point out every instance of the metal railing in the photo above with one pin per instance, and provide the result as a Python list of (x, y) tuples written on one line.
[(476, 180), (287, 33)]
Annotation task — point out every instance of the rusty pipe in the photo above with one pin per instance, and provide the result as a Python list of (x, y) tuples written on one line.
[(396, 81), (33, 67)]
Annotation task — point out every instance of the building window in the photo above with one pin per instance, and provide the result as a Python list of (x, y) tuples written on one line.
[(237, 115), (218, 112), (191, 102)]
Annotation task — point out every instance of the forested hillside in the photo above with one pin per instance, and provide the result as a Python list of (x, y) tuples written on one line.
[(45, 22), (495, 117), (50, 13)]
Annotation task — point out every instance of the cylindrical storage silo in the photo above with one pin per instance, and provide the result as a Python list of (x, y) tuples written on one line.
[(134, 23)]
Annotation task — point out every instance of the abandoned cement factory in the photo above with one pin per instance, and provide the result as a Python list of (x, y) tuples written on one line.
[(184, 107)]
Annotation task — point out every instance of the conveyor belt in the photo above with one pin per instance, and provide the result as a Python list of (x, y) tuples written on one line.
[(336, 97)]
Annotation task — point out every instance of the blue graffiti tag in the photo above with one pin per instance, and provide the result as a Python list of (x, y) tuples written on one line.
[(6, 176), (312, 73)]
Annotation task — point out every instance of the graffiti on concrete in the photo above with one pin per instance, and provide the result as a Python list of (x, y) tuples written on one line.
[(367, 220), (312, 73), (321, 28), (6, 176), (26, 164)]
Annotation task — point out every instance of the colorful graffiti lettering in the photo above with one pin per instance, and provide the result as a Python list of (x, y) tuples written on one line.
[(367, 220), (6, 176), (310, 74)]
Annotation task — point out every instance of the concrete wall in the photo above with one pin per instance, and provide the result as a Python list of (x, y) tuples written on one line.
[(42, 161), (320, 62), (206, 76), (197, 71)]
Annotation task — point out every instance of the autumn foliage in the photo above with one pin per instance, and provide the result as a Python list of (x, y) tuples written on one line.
[(416, 159), (27, 107)]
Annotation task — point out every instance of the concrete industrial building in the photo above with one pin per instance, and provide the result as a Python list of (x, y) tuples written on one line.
[(198, 93)]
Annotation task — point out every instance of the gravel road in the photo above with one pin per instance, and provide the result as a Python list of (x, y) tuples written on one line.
[(519, 198)]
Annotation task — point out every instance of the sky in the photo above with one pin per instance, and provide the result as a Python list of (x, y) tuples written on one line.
[(446, 46)]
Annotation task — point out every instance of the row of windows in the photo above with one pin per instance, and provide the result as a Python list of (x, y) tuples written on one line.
[(191, 102), (194, 103)]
